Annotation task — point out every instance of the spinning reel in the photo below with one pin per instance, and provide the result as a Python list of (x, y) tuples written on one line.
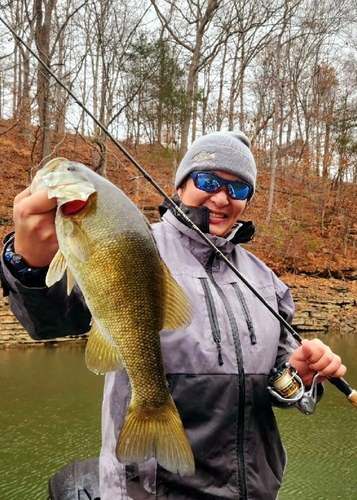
[(287, 387)]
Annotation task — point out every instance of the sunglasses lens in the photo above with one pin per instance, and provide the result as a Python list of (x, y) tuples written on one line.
[(238, 190), (210, 183), (207, 182)]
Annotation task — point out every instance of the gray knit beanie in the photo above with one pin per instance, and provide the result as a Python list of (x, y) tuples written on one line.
[(226, 151)]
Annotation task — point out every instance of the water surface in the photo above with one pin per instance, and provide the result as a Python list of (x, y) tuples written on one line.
[(322, 448), (50, 407)]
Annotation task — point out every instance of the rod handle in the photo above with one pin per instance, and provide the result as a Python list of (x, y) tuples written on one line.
[(341, 384)]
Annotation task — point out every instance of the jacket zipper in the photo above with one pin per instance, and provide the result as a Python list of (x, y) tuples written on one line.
[(242, 487), (212, 315), (248, 318)]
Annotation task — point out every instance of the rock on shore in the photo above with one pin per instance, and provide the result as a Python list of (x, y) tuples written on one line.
[(322, 306)]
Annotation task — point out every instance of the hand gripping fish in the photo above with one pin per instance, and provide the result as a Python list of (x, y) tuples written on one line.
[(106, 246)]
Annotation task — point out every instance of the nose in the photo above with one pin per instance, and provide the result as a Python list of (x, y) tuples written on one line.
[(221, 197)]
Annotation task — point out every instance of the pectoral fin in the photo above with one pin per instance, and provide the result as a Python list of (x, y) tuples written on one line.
[(70, 281), (178, 310), (77, 242), (57, 269), (101, 355)]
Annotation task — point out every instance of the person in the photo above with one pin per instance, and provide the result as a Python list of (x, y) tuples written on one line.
[(218, 367)]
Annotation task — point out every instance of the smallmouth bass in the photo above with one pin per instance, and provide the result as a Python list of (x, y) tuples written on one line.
[(106, 246)]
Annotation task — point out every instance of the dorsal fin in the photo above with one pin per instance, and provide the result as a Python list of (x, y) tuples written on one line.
[(178, 310)]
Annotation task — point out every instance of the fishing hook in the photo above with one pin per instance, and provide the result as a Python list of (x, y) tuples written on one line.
[(340, 383)]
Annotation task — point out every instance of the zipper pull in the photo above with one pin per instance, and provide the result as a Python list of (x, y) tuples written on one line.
[(220, 358)]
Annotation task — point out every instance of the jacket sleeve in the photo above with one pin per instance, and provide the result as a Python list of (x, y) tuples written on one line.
[(287, 342), (46, 313)]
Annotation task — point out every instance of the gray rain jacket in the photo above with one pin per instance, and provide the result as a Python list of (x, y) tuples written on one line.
[(217, 370)]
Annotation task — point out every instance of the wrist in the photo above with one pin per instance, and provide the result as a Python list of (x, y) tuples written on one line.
[(27, 275)]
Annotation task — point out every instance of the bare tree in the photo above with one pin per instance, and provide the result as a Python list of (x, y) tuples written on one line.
[(249, 27), (178, 20), (20, 15), (43, 18), (110, 28)]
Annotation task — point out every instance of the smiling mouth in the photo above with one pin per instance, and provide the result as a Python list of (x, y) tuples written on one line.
[(217, 216)]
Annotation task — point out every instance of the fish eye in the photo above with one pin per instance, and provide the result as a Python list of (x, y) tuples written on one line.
[(71, 168)]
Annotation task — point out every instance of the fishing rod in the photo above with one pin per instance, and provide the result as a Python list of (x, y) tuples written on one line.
[(339, 382)]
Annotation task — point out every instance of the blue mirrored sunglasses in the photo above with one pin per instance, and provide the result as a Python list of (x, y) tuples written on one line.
[(206, 181)]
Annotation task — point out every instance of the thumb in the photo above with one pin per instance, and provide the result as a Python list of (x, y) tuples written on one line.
[(306, 349)]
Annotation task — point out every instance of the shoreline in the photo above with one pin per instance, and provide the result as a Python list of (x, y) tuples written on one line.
[(36, 344), (323, 306)]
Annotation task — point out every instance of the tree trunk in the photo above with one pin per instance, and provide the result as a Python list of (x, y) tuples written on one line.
[(273, 160), (43, 14)]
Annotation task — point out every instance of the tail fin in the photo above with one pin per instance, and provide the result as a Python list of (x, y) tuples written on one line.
[(155, 433)]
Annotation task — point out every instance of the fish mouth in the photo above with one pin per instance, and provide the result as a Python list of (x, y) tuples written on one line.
[(73, 207)]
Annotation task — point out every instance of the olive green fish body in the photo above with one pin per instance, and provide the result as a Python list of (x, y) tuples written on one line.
[(108, 249)]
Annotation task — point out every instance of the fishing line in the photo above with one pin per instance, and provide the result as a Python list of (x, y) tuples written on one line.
[(340, 383)]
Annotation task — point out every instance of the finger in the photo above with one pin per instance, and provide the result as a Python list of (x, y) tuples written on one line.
[(317, 356), (306, 349), (323, 364), (334, 369), (32, 204), (339, 373), (24, 194), (313, 350)]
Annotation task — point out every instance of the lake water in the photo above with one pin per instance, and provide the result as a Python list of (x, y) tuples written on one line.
[(50, 408), (49, 416), (322, 448)]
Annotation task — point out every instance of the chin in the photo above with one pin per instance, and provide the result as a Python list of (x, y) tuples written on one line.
[(216, 232)]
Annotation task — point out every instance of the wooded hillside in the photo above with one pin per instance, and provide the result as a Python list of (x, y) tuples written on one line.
[(156, 74), (313, 229)]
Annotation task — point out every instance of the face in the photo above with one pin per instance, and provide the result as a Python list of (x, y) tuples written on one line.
[(224, 211)]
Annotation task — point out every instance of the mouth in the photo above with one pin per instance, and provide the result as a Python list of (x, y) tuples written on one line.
[(214, 215), (72, 207)]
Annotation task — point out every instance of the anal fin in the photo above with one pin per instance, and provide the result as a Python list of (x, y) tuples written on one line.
[(101, 356)]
